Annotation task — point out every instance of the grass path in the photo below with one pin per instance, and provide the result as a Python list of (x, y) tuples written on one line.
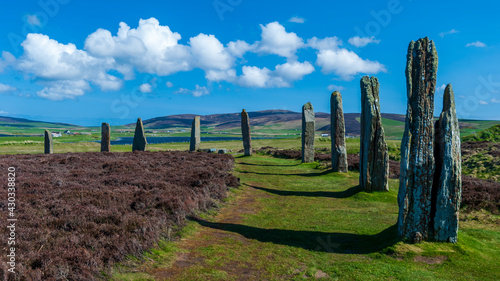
[(292, 221)]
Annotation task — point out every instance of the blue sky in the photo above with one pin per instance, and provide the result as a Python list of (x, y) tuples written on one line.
[(86, 62)]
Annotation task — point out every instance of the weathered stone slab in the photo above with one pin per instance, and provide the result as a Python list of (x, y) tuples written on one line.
[(105, 137), (374, 157), (245, 133), (339, 152), (194, 144), (417, 146), (140, 141), (448, 174), (308, 128), (48, 144)]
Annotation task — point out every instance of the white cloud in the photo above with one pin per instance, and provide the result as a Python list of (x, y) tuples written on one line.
[(478, 44), (59, 90), (443, 34), (150, 48), (65, 70), (345, 63), (221, 75), (33, 20), (483, 102), (169, 84), (362, 41), (292, 71), (282, 76), (197, 92), (275, 40), (296, 20), (145, 88), (209, 53), (441, 88), (327, 43), (238, 48), (494, 100), (335, 88), (6, 88), (3, 112)]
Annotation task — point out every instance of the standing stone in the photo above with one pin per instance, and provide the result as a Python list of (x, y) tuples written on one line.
[(49, 145), (373, 155), (308, 124), (417, 146), (140, 142), (105, 137), (194, 144), (447, 189), (245, 133), (339, 153)]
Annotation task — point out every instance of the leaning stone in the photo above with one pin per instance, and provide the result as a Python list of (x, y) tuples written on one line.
[(48, 145), (448, 175), (308, 124), (417, 146), (194, 144), (245, 133), (339, 152), (140, 141), (105, 137), (373, 155)]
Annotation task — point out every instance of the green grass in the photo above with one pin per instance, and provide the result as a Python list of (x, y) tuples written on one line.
[(306, 220)]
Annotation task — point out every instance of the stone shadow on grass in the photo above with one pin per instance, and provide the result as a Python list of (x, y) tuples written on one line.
[(314, 174), (335, 242), (330, 194), (264, 165)]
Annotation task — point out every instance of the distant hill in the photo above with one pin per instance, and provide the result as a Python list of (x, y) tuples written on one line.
[(284, 119), (4, 120)]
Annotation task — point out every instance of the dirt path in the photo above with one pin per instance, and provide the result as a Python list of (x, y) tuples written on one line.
[(189, 255)]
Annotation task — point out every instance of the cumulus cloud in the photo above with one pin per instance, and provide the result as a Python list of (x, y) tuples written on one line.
[(296, 20), (478, 44), (145, 88), (362, 41), (169, 84), (3, 112), (6, 88), (238, 48), (332, 88), (68, 72), (441, 88), (327, 43), (345, 63), (494, 100), (210, 53), (151, 47), (62, 66), (443, 34), (64, 89), (197, 92), (33, 20), (483, 102), (275, 40)]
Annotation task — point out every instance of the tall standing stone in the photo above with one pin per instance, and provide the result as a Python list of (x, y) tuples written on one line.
[(194, 144), (140, 142), (373, 155), (447, 189), (339, 152), (308, 124), (417, 146), (48, 144), (245, 133), (105, 137)]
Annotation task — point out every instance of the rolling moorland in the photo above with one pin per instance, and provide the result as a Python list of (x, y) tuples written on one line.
[(285, 221)]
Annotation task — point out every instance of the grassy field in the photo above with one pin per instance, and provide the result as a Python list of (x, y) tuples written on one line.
[(293, 221)]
